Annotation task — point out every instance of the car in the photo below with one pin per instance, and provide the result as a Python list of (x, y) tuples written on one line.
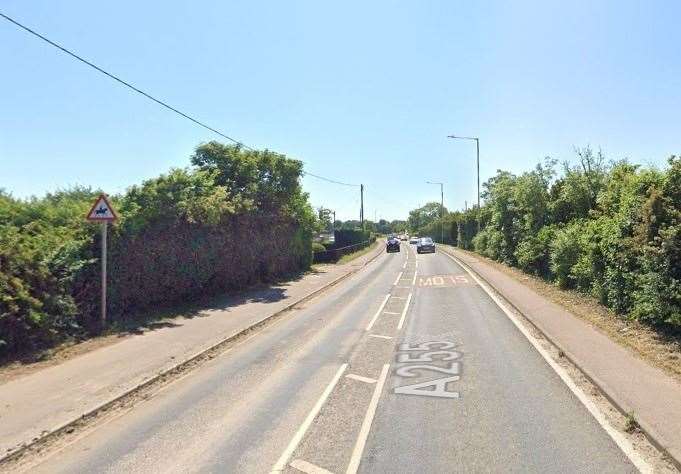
[(425, 244), (414, 240), (392, 245), (403, 237)]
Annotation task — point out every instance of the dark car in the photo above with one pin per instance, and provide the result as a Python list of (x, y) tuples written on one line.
[(424, 245), (393, 244)]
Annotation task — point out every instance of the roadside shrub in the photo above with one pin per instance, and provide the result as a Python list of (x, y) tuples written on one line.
[(317, 247), (533, 253), (234, 219)]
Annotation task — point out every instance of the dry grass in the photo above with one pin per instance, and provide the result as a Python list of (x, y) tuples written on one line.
[(659, 349)]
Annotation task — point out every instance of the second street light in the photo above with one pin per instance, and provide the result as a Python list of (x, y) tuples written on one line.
[(477, 162), (442, 211)]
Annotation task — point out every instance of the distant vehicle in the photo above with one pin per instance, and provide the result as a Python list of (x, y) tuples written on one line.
[(425, 244), (392, 245), (403, 237), (414, 240)]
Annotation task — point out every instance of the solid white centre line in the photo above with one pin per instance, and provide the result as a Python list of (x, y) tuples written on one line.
[(308, 467), (293, 444), (360, 378), (398, 278), (380, 308), (380, 336), (404, 313), (366, 424)]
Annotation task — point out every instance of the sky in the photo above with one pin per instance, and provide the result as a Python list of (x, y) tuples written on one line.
[(361, 92)]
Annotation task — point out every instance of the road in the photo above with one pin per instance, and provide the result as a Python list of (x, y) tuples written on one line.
[(408, 366)]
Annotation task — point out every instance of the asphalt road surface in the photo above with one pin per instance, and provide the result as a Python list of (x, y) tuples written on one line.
[(408, 366)]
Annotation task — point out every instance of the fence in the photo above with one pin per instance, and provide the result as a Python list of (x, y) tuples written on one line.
[(333, 255)]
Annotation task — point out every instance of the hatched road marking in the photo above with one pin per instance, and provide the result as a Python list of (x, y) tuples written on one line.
[(295, 441), (307, 467), (360, 378)]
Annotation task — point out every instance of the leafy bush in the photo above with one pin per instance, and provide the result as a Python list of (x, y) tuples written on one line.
[(610, 230), (236, 218)]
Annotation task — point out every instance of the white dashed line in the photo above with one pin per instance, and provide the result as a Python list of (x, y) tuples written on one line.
[(404, 313), (293, 444), (360, 378), (380, 308), (366, 424), (398, 278)]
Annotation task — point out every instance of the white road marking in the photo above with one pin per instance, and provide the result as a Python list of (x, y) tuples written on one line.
[(390, 312), (380, 308), (405, 264), (403, 287), (293, 444), (380, 336), (398, 297), (623, 443), (404, 313), (360, 378), (366, 424), (413, 281), (398, 278), (307, 467)]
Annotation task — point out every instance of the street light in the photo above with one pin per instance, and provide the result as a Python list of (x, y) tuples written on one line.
[(477, 147), (442, 210)]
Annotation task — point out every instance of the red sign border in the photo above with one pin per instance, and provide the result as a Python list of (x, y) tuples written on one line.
[(101, 219)]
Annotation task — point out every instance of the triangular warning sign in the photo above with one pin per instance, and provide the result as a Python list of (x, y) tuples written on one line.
[(102, 210)]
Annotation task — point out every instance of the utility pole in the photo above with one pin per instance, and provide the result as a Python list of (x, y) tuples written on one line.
[(361, 208), (442, 211), (333, 225), (477, 149)]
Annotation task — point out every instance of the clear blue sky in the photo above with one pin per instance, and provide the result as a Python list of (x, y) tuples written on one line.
[(362, 92)]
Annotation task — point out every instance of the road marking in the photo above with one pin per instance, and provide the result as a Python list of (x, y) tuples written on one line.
[(293, 444), (360, 378), (380, 336), (380, 308), (403, 287), (366, 424), (405, 264), (307, 467), (413, 281), (398, 278), (390, 312), (404, 313), (623, 443), (398, 297)]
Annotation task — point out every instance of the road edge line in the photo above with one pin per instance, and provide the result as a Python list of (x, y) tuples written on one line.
[(24, 448), (625, 446)]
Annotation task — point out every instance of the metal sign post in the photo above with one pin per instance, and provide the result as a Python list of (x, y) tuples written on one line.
[(102, 211), (103, 258)]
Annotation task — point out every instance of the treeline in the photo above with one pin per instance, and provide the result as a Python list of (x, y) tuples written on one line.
[(609, 229), (234, 218)]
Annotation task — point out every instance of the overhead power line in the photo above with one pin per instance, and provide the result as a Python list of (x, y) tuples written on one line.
[(149, 96), (330, 180), (126, 84)]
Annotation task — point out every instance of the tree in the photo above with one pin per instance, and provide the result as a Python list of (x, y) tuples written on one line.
[(424, 216)]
